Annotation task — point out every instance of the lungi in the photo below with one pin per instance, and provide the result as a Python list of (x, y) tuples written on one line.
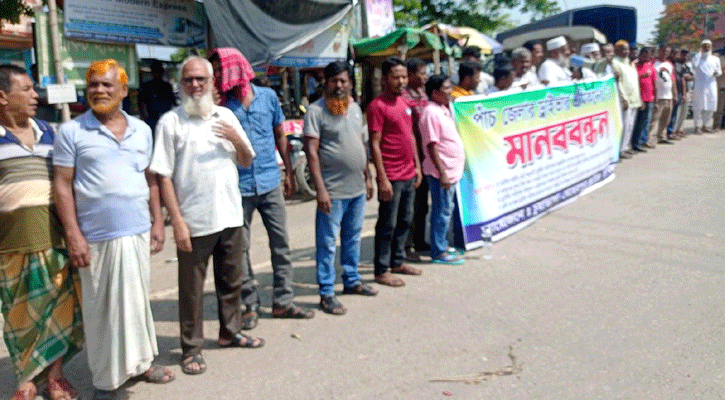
[(41, 307), (119, 327)]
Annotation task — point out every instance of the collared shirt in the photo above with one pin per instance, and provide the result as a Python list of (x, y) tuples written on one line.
[(259, 121), (665, 79), (111, 192), (27, 217), (460, 92), (437, 126), (628, 83), (203, 168), (647, 78)]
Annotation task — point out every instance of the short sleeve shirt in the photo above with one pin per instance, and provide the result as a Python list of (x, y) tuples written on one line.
[(665, 79), (392, 117), (203, 168), (259, 121), (647, 77), (343, 157), (111, 192), (437, 126)]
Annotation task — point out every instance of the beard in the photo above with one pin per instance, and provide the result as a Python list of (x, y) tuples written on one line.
[(197, 106), (337, 102), (105, 108), (563, 61)]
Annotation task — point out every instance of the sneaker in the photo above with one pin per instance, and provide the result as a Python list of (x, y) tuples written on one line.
[(448, 259)]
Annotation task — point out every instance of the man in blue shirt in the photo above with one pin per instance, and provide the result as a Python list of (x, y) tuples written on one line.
[(261, 117)]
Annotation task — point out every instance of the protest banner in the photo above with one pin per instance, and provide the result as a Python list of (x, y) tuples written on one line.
[(530, 152)]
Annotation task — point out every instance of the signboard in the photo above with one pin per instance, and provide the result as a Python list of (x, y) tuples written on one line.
[(329, 46), (65, 93), (163, 22), (77, 56), (530, 152), (380, 17), (20, 35)]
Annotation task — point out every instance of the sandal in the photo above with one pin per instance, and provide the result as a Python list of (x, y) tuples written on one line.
[(448, 259), (62, 388), (331, 305), (386, 278), (195, 358), (251, 317), (406, 269), (155, 374), (243, 341), (292, 311), (361, 289)]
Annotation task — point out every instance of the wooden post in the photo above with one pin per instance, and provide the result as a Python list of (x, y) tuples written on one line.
[(55, 42)]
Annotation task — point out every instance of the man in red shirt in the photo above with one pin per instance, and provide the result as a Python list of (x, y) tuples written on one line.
[(647, 78), (394, 152)]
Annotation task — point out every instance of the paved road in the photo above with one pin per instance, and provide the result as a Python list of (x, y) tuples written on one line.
[(616, 296)]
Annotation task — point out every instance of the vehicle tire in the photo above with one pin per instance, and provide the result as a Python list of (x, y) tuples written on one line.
[(305, 185)]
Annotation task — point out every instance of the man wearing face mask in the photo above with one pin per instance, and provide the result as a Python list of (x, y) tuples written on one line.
[(704, 100), (555, 70), (338, 162)]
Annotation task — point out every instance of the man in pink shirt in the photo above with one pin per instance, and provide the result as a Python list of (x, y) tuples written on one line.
[(647, 78), (393, 150), (443, 163)]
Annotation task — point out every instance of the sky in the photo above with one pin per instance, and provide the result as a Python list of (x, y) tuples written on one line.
[(647, 14)]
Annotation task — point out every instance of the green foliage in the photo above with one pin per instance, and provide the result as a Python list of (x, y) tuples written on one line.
[(11, 10), (683, 24), (486, 16)]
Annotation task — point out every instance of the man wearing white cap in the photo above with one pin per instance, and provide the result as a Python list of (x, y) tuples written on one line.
[(591, 55), (704, 99), (554, 71)]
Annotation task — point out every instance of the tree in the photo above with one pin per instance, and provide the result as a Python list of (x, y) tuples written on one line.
[(683, 24), (11, 10), (486, 16)]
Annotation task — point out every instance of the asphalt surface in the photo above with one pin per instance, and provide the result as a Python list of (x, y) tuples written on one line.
[(615, 296)]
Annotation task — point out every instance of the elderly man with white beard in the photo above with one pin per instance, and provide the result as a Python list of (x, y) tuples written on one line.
[(198, 146), (704, 98), (555, 70)]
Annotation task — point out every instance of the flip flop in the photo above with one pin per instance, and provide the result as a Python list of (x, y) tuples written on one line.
[(157, 374), (292, 311), (448, 259), (361, 289), (252, 317), (196, 358)]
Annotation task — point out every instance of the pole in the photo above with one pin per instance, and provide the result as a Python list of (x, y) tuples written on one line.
[(437, 52), (55, 41)]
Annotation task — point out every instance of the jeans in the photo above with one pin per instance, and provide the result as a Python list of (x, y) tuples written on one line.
[(345, 219), (441, 210), (641, 126), (673, 118), (274, 217), (391, 230)]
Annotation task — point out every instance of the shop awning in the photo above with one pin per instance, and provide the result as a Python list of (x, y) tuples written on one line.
[(412, 41)]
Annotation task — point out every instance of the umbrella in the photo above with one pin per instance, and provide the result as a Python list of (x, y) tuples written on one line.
[(476, 38)]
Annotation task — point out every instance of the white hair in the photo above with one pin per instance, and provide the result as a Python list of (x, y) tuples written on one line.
[(189, 59), (520, 52)]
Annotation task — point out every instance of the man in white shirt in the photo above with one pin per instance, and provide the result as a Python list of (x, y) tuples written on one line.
[(628, 85), (525, 76), (665, 92), (704, 98), (555, 70), (198, 146)]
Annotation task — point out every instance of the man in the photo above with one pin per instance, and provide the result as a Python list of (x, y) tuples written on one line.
[(704, 98), (155, 97), (628, 85), (415, 94), (525, 76), (443, 164), (537, 53), (261, 117), (41, 305), (647, 78), (338, 162), (469, 76), (665, 92), (394, 152), (473, 54), (719, 121), (106, 200), (555, 70), (503, 76), (197, 150), (685, 84)]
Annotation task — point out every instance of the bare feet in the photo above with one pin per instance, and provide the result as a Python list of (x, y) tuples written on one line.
[(387, 278), (26, 391), (406, 269)]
